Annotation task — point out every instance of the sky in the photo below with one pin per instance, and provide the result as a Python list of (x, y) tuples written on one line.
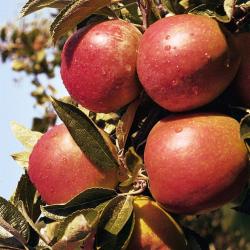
[(16, 104)]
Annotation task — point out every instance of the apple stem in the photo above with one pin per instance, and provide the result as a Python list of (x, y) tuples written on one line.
[(145, 7)]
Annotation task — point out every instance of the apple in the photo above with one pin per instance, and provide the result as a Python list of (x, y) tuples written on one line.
[(242, 81), (154, 228), (60, 170), (186, 61), (196, 162), (99, 65)]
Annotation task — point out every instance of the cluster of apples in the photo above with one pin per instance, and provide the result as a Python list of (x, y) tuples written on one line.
[(195, 162)]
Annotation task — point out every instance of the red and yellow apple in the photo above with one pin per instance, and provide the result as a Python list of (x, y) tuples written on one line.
[(196, 162), (154, 228), (99, 65), (186, 61), (60, 170)]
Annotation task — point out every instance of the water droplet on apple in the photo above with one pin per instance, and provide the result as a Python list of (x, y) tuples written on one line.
[(174, 83), (167, 47), (208, 56), (178, 130), (167, 37), (128, 67), (195, 90)]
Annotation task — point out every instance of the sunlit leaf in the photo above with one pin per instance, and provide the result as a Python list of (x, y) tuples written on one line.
[(35, 5), (22, 158), (229, 8), (74, 13), (13, 221), (27, 137), (90, 198)]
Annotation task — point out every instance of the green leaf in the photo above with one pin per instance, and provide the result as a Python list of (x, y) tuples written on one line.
[(118, 211), (90, 198), (35, 5), (229, 8), (35, 232), (22, 159), (27, 137), (245, 130), (74, 13), (245, 127), (26, 193), (125, 123), (194, 240), (86, 135), (173, 6), (77, 226), (13, 221), (107, 241), (134, 163), (10, 244)]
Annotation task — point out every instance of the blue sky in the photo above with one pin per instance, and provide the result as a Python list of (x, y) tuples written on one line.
[(15, 104)]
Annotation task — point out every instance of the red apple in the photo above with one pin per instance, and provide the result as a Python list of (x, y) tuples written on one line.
[(60, 170), (242, 81), (99, 65), (186, 61), (196, 163)]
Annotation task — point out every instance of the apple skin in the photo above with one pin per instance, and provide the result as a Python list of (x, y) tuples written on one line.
[(186, 61), (242, 80), (60, 170), (196, 163), (99, 65), (155, 228)]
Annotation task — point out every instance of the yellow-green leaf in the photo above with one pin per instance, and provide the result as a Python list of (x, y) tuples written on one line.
[(27, 137), (74, 13), (35, 5), (125, 124), (22, 159)]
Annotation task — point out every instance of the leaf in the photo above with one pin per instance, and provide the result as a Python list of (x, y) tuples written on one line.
[(74, 13), (86, 135), (78, 225), (244, 207), (229, 8), (13, 221), (10, 243), (125, 124), (26, 193), (245, 127), (195, 241), (22, 159), (134, 163), (27, 137), (35, 5), (245, 130), (133, 160), (18, 65), (35, 232), (108, 241), (120, 214), (90, 198), (173, 6)]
